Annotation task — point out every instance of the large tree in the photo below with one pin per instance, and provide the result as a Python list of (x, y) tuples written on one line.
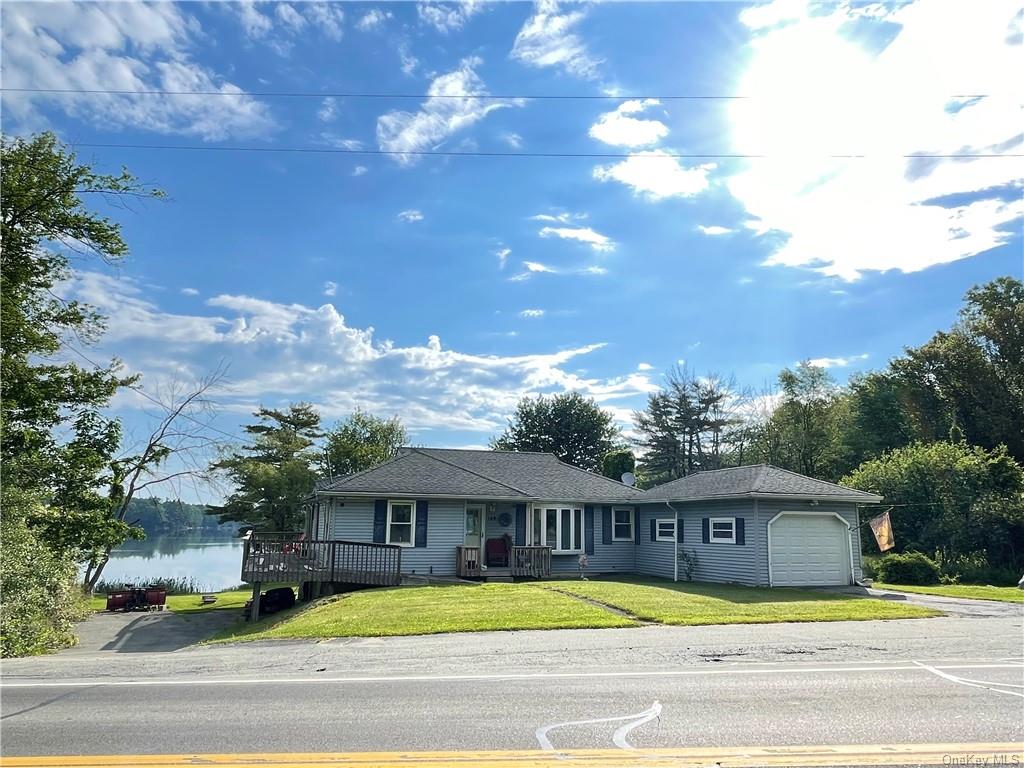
[(360, 442), (574, 428), (275, 472), (690, 425), (951, 498), (58, 449)]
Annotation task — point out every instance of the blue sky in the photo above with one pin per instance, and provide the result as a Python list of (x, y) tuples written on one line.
[(442, 289)]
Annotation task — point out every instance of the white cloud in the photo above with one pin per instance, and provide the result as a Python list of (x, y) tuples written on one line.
[(190, 291), (446, 17), (289, 16), (328, 17), (408, 61), (372, 19), (714, 230), (836, 362), (619, 127), (560, 218), (502, 254), (410, 216), (255, 24), (340, 141), (536, 266), (440, 116), (288, 352), (532, 313), (548, 39), (657, 175), (328, 110), (514, 140), (745, 280), (330, 288), (120, 47), (586, 235), (644, 367), (883, 211), (593, 270), (359, 170)]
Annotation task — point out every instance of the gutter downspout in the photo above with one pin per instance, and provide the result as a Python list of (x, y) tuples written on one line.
[(675, 549)]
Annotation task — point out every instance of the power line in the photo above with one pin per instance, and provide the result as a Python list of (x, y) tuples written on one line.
[(376, 95), (498, 153)]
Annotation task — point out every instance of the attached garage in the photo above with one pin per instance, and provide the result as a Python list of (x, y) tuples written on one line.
[(808, 549)]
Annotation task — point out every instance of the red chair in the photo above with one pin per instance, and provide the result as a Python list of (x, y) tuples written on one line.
[(497, 552)]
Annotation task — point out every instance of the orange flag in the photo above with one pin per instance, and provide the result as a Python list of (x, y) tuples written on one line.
[(881, 526)]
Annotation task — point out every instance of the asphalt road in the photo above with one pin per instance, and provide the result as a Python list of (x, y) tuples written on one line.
[(764, 685)]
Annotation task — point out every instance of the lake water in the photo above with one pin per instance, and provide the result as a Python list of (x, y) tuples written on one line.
[(215, 563)]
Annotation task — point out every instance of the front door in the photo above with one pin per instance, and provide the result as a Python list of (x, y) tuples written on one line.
[(474, 518)]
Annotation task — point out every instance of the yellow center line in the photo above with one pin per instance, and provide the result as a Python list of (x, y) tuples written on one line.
[(998, 753)]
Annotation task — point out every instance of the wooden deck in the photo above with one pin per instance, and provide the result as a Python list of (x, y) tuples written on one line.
[(531, 562), (287, 557)]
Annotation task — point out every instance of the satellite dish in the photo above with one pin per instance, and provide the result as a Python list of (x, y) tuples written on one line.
[(628, 478)]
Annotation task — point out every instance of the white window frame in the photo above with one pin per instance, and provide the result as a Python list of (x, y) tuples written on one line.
[(573, 517), (721, 539), (659, 536), (632, 523), (412, 523)]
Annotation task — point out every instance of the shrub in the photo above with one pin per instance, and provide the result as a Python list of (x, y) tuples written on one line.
[(908, 568), (175, 585), (687, 563), (974, 569), (869, 565), (39, 597)]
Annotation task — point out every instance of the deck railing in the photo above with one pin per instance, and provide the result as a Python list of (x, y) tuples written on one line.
[(290, 557), (531, 561)]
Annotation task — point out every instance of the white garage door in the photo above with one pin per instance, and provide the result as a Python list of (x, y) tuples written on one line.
[(809, 550)]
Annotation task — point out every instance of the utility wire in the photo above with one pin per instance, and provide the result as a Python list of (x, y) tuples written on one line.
[(482, 153), (373, 95)]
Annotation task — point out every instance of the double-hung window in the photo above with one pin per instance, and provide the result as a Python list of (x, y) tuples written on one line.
[(723, 530), (559, 526), (666, 529), (622, 524), (401, 520)]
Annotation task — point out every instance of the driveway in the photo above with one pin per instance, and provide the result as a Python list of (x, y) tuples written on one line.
[(952, 606), (155, 632)]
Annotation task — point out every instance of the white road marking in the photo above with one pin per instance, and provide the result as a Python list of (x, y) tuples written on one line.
[(968, 683), (619, 737), (895, 667), (545, 743)]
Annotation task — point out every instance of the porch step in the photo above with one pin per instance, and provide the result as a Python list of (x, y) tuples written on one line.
[(499, 579)]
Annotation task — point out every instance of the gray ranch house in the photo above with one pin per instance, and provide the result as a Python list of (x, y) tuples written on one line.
[(497, 515)]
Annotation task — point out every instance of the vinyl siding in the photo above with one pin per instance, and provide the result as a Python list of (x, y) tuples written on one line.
[(445, 529), (737, 563), (654, 558), (617, 557)]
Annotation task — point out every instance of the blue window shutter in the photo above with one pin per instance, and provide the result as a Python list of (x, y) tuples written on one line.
[(520, 525), (705, 530), (679, 529), (588, 529), (380, 520), (421, 523), (606, 525), (741, 537), (654, 529), (636, 530)]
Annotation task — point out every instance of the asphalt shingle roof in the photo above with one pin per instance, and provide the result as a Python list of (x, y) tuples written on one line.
[(487, 474), (756, 479)]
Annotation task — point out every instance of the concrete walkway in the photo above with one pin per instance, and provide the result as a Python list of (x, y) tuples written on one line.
[(146, 632)]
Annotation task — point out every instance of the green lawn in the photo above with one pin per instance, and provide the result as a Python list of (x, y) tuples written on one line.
[(428, 610), (234, 598), (687, 603), (978, 592)]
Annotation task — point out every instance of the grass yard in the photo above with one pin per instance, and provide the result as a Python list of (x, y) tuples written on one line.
[(429, 610), (977, 592), (689, 603)]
